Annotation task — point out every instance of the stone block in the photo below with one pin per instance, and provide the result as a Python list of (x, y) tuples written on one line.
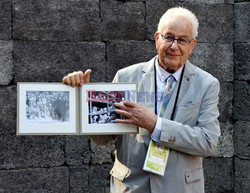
[(50, 61), (77, 150), (99, 178), (31, 151), (35, 180), (241, 110), (58, 20), (218, 174), (225, 146), (242, 61), (101, 154), (242, 177), (226, 101), (123, 20), (241, 139), (216, 26), (5, 20), (217, 59), (6, 62), (8, 110), (242, 22), (121, 54), (79, 178)]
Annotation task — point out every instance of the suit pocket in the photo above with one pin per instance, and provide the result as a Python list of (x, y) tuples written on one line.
[(119, 171), (187, 114), (193, 176)]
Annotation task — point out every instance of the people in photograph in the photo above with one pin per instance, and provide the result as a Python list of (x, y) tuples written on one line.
[(184, 120)]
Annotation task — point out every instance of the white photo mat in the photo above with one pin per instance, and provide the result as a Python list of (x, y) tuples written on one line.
[(34, 105), (124, 91)]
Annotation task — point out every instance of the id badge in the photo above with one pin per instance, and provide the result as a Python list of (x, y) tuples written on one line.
[(156, 158)]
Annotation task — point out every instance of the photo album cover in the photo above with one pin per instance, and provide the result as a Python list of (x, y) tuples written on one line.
[(58, 109)]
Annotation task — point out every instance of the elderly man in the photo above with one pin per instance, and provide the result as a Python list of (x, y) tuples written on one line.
[(182, 118)]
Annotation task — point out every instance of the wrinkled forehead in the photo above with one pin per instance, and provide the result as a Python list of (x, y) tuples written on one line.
[(178, 26)]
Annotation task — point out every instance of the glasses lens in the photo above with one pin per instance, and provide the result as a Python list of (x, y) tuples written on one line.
[(182, 41)]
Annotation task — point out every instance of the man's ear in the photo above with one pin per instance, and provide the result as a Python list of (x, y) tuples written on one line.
[(157, 35), (193, 44)]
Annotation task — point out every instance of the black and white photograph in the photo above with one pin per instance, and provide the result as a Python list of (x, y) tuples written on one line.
[(47, 106), (98, 110), (102, 108), (46, 109)]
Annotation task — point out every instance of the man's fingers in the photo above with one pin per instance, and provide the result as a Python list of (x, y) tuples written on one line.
[(124, 113), (72, 81), (126, 121), (77, 78), (121, 106), (129, 104), (66, 80)]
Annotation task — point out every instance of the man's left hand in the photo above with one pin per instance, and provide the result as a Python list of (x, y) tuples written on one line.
[(136, 115)]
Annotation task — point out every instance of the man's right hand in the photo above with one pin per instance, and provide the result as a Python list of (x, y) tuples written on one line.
[(78, 78)]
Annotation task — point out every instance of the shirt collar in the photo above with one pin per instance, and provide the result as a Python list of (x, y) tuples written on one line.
[(163, 74)]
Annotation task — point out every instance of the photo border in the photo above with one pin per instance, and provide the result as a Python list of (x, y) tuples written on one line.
[(23, 128), (106, 128)]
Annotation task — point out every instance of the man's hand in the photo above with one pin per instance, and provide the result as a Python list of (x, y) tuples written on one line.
[(77, 78), (137, 115)]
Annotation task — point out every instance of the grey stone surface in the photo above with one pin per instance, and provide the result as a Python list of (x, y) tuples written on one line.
[(218, 175), (49, 180), (241, 110), (50, 61), (7, 110), (77, 150), (242, 177), (216, 26), (5, 19), (241, 139), (216, 59), (242, 61), (101, 154), (199, 1), (125, 53), (58, 20), (6, 62), (99, 178), (31, 151), (123, 20), (79, 178), (238, 1), (225, 146), (242, 22), (226, 101)]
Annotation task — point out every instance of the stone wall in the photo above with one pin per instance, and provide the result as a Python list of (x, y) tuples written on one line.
[(42, 40)]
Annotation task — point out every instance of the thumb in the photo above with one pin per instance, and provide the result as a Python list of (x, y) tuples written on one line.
[(87, 76)]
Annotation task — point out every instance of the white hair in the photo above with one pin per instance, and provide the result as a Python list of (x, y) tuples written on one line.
[(183, 12)]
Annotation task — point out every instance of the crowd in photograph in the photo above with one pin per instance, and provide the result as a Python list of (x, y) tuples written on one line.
[(47, 106)]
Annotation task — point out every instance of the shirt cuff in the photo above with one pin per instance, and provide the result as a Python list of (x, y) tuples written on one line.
[(156, 135)]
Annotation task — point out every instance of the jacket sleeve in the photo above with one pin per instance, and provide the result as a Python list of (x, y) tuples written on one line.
[(104, 139), (202, 138)]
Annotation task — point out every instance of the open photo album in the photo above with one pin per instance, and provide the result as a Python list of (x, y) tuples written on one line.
[(58, 109)]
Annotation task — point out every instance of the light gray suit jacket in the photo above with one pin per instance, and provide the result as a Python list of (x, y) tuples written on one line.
[(192, 135)]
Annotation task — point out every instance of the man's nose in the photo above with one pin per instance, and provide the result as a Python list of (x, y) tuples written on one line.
[(174, 45)]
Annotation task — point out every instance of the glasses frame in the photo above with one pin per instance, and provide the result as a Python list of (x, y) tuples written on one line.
[(177, 39)]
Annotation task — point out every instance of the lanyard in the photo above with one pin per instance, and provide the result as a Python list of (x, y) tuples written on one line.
[(177, 95)]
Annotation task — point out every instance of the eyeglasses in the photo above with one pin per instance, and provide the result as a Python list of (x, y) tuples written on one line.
[(170, 39)]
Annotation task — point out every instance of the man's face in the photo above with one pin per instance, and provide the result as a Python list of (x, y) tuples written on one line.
[(172, 56)]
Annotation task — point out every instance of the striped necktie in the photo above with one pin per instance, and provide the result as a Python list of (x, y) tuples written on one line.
[(167, 94)]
